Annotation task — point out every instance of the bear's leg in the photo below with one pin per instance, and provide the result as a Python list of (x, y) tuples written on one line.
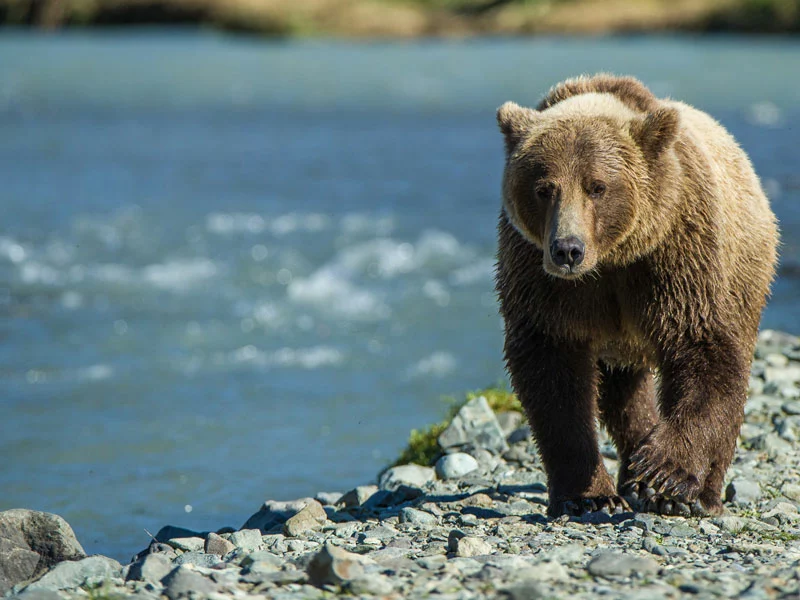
[(627, 403), (702, 395), (557, 385)]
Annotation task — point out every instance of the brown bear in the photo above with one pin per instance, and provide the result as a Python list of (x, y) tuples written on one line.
[(636, 251)]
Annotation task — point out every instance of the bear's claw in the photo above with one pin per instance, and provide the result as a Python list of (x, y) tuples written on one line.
[(652, 466), (578, 506), (644, 498)]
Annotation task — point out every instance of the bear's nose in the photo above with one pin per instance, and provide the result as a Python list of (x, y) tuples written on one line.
[(567, 251)]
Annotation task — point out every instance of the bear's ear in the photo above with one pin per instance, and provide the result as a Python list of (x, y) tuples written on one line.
[(514, 121), (656, 132)]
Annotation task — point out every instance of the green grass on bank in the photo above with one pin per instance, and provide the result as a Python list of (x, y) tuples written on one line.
[(423, 447)]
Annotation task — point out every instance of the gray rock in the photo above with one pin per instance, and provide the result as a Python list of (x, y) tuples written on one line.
[(413, 475), (31, 542), (184, 581), (520, 434), (187, 544), (198, 559), (456, 465), (510, 420), (791, 408), (372, 585), (311, 517), (475, 425), (246, 539), (526, 589), (170, 532), (358, 496), (743, 492), (417, 517), (274, 513), (216, 544), (74, 574), (333, 565), (328, 498), (617, 564), (791, 491), (151, 567), (41, 594), (471, 546)]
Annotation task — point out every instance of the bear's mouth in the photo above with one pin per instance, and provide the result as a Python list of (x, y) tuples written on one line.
[(565, 271)]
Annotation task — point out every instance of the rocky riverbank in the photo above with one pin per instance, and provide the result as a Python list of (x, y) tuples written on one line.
[(471, 526), (415, 18)]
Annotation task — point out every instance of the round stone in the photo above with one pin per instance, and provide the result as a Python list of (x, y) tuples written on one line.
[(453, 466)]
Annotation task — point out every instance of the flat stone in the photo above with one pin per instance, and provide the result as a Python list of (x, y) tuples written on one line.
[(456, 465), (31, 542), (184, 581), (333, 565), (151, 567), (246, 539), (417, 517), (216, 544), (617, 564), (198, 559), (474, 425), (187, 544), (743, 492), (413, 475), (311, 517), (74, 574), (526, 589)]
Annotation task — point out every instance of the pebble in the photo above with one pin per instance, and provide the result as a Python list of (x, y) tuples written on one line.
[(456, 465), (333, 565), (412, 475), (311, 517), (184, 581), (476, 425), (743, 492), (471, 546), (618, 564), (246, 539), (417, 517), (216, 544), (151, 567)]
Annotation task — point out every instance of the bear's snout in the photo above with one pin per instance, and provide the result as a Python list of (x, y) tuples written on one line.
[(567, 251)]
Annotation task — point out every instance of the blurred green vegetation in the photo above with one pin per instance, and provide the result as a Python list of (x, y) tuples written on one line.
[(413, 18), (423, 447)]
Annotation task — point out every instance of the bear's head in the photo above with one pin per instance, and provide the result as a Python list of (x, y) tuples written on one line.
[(581, 178)]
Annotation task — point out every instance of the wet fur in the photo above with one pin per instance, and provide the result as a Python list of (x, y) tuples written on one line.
[(684, 250)]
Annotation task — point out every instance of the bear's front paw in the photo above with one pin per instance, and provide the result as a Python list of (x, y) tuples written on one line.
[(665, 471), (574, 507), (645, 499)]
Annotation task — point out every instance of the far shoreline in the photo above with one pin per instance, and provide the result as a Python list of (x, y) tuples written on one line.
[(367, 20)]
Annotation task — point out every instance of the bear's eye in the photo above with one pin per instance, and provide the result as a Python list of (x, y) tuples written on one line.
[(597, 189), (545, 190)]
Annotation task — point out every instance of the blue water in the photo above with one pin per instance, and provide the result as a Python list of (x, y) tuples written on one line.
[(233, 270)]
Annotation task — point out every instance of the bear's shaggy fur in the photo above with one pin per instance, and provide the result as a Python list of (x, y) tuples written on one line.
[(670, 251)]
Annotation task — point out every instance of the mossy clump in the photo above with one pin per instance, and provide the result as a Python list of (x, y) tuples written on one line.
[(423, 446)]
